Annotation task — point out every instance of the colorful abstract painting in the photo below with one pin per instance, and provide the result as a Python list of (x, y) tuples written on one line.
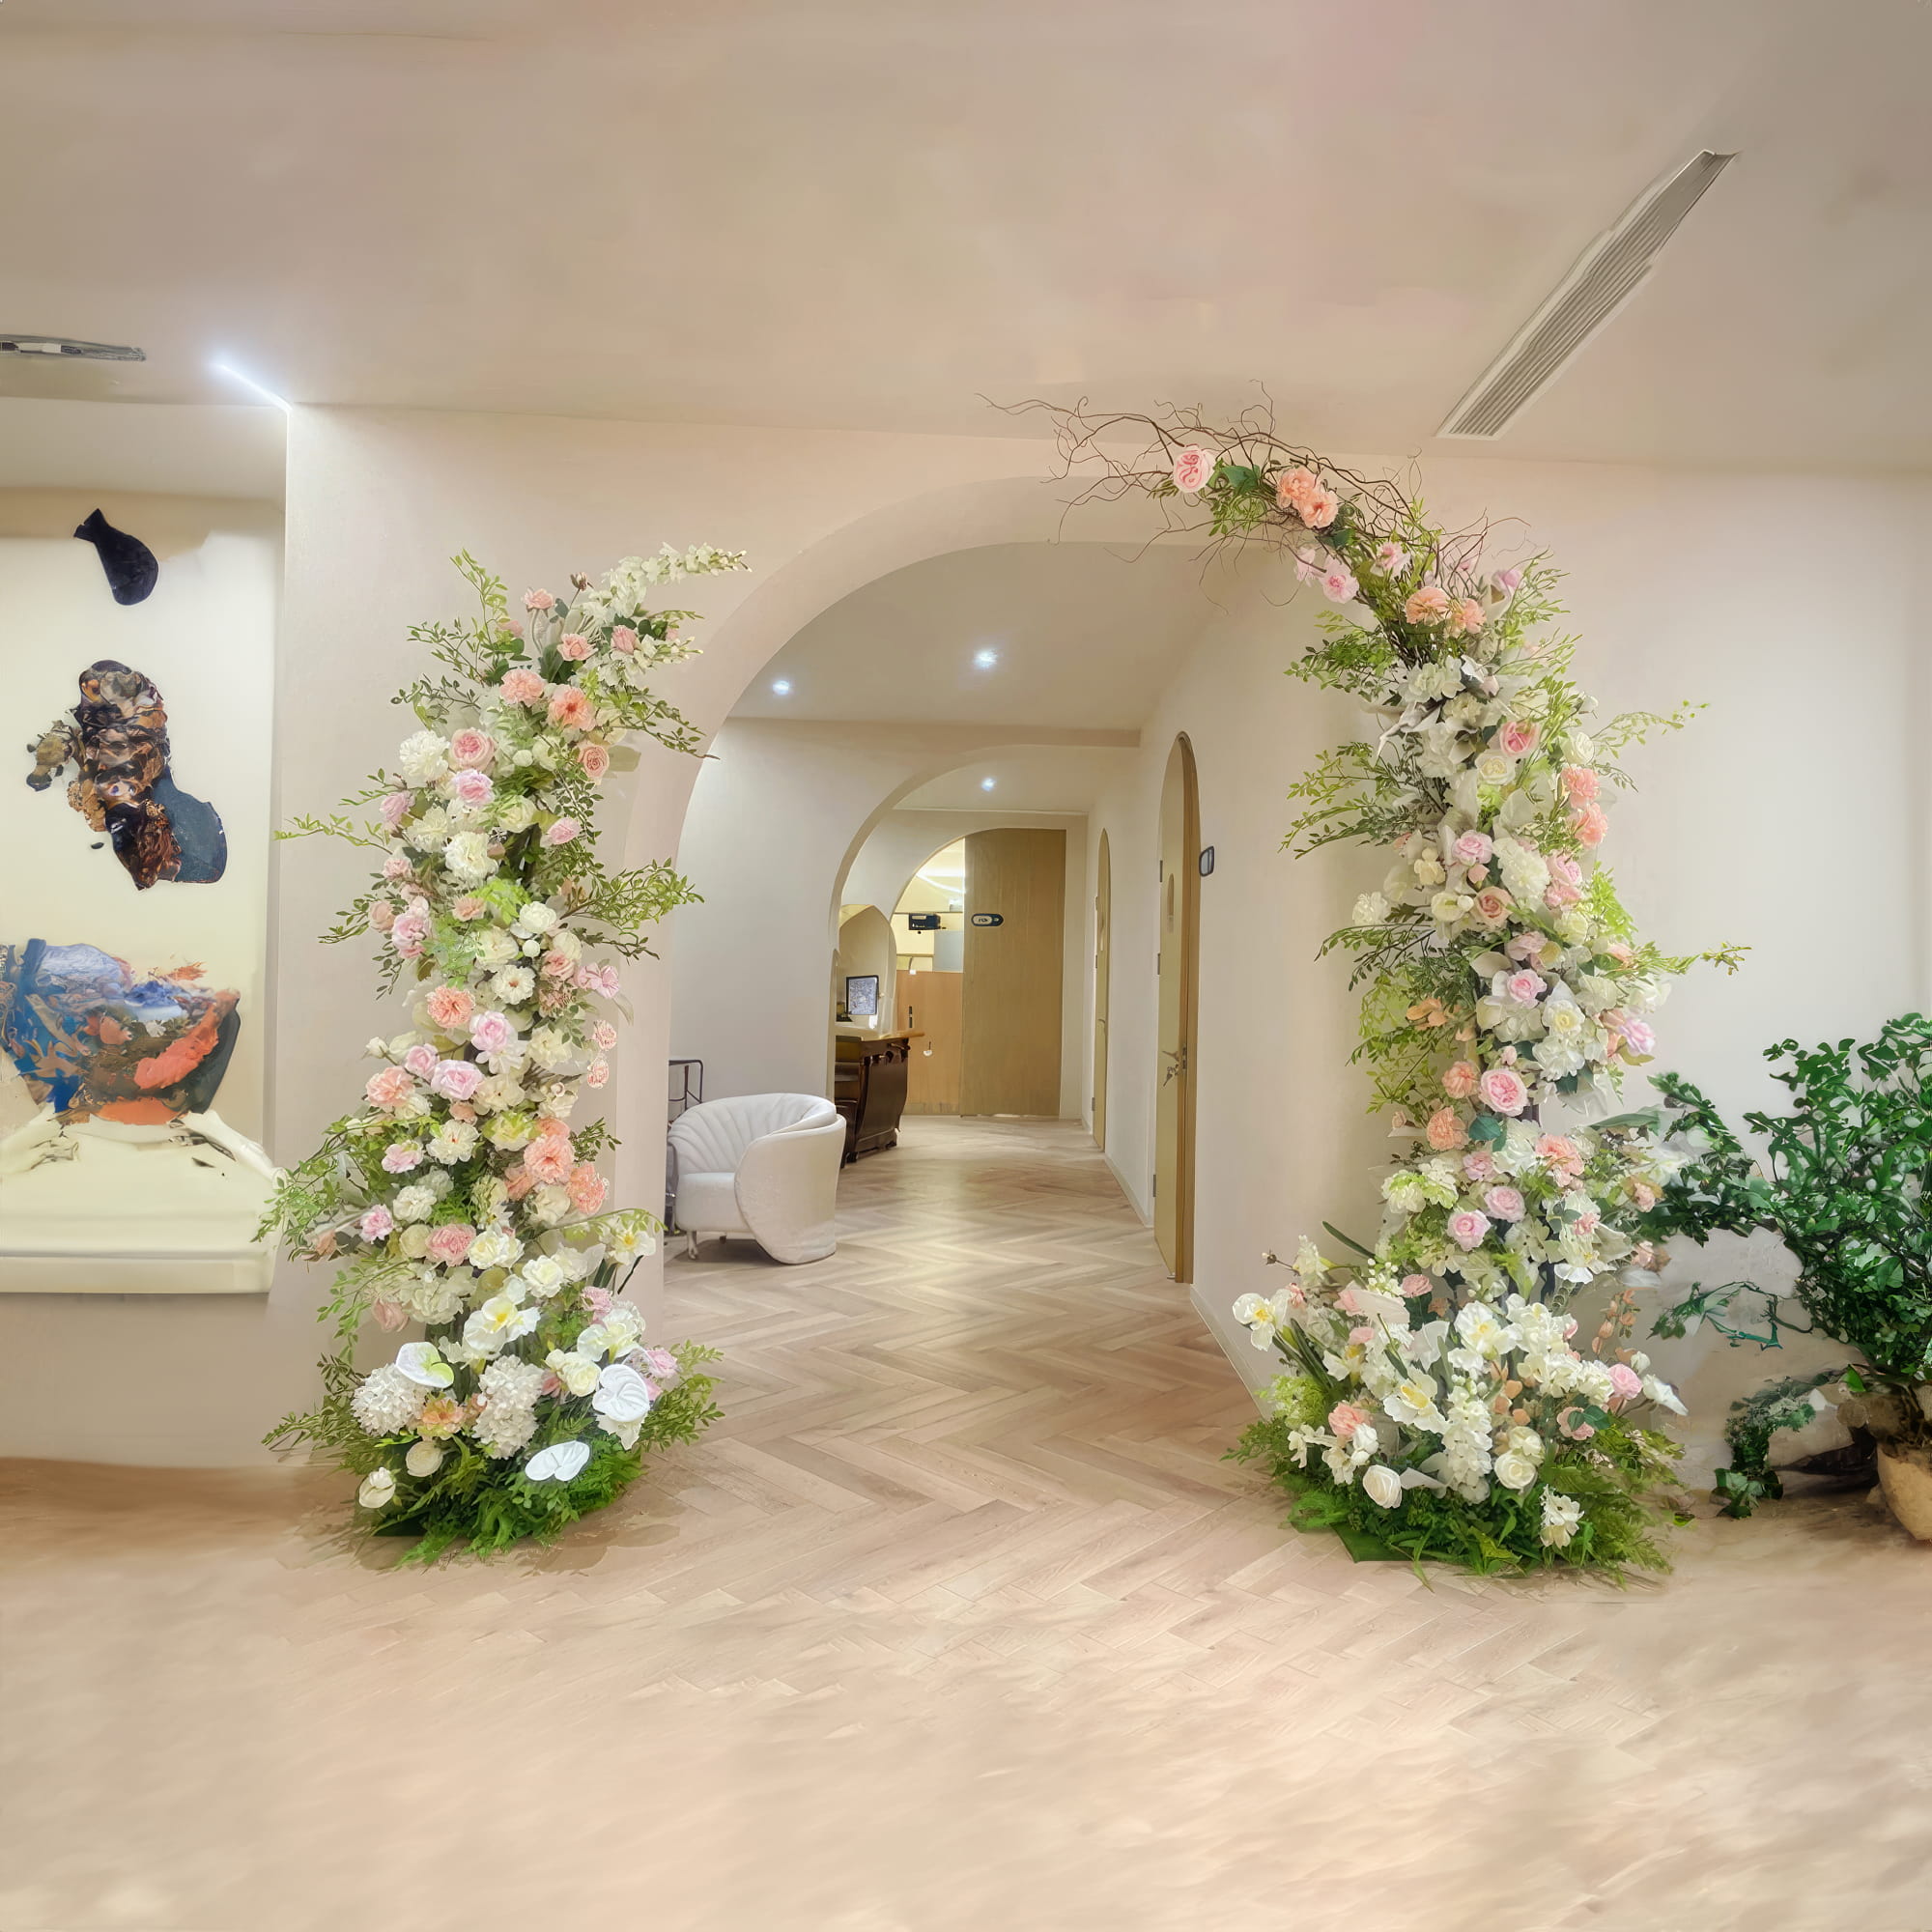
[(94, 1039), (117, 740)]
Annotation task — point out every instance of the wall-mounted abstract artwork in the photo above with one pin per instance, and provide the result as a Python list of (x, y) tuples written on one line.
[(134, 913)]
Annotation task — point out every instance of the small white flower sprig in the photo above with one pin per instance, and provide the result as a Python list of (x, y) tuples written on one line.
[(1436, 1406), (461, 1196)]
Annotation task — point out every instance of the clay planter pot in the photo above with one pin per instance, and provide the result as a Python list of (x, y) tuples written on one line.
[(1907, 1483)]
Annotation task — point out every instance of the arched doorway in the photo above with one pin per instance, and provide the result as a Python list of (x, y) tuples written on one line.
[(1104, 918), (1179, 925)]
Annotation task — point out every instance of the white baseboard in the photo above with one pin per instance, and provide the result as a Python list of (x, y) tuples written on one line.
[(1126, 1186)]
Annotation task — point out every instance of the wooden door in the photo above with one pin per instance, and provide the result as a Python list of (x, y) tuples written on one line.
[(1179, 927), (929, 1005), (1010, 993), (1103, 917)]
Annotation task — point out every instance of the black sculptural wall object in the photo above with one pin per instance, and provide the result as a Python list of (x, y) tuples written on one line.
[(117, 740), (129, 564)]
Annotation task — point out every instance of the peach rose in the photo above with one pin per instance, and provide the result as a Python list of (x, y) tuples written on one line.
[(1492, 905), (595, 760), (573, 648)]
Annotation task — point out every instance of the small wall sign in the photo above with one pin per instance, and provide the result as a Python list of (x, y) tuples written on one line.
[(989, 919)]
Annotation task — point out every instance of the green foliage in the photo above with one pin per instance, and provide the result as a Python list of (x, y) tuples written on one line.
[(1753, 1420)]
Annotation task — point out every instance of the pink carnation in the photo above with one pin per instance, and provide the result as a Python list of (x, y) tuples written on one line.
[(599, 980), (1506, 1203), (594, 759), (1516, 737), (1474, 849), (623, 639), (470, 788), (1589, 824), (598, 1301), (471, 750), (1638, 1038), (451, 1244), (570, 708), (1504, 1090), (390, 1088), (1413, 1285), (1579, 784), (404, 1157), (597, 1073), (1467, 1229), (538, 600), (389, 1315), (561, 832), (396, 866), (1192, 468), (548, 1160), (1338, 583), (573, 648), (1390, 557), (604, 1034), (1479, 1164), (586, 1188), (396, 808), (1445, 1132), (451, 1006), (1458, 1081), (1560, 1155), (456, 1079), (469, 906), (1526, 947), (1428, 605), (1465, 617), (377, 1225), (522, 687), (1345, 1418)]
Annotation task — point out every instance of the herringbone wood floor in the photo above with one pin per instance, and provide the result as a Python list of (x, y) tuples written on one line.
[(957, 1621)]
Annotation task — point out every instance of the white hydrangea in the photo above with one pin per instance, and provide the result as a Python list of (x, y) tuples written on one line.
[(387, 1401), (434, 1297)]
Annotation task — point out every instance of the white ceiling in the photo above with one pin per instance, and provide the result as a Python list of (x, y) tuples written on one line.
[(873, 213), (1085, 635), (1057, 779)]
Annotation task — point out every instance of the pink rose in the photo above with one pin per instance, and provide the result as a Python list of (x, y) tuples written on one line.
[(420, 1060), (1445, 1132), (586, 1188), (1638, 1038), (595, 760), (389, 1315), (1469, 1228), (396, 808), (1516, 737), (1626, 1380), (1560, 1155), (1525, 988), (1492, 905), (1474, 849), (396, 866), (1413, 1285), (1506, 1203), (522, 687), (538, 600), (1428, 605), (1339, 585), (624, 640), (382, 914), (472, 790), (451, 1244), (1192, 468), (1503, 1090), (1465, 618), (471, 750), (562, 832), (1579, 784), (1345, 1418), (1589, 824), (404, 1157), (1479, 1165), (378, 1224), (456, 1079), (570, 645), (597, 1073), (1526, 947), (570, 708), (451, 1006), (1390, 557), (1458, 1081)]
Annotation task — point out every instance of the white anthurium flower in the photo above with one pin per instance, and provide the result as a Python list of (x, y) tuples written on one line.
[(557, 1464), (622, 1395), (1381, 1484), (1414, 1478), (420, 1362), (377, 1491), (1664, 1395), (424, 1458)]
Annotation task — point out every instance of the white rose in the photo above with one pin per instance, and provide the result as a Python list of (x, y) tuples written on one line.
[(1381, 1484), (622, 1395), (376, 1049), (424, 1458), (1514, 1470), (544, 1274), (1494, 768), (548, 1205), (516, 814), (577, 1372), (377, 1491), (536, 920), (414, 1241), (494, 947), (496, 1247)]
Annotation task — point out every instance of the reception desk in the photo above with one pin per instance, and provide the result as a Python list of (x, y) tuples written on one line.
[(868, 1086)]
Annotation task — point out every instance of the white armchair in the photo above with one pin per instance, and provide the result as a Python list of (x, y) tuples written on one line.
[(766, 1165)]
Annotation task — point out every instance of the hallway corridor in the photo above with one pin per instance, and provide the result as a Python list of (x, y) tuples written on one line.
[(957, 1623)]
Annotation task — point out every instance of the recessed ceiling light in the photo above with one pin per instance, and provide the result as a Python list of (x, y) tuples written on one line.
[(985, 660), (249, 382), (781, 687), (985, 784)]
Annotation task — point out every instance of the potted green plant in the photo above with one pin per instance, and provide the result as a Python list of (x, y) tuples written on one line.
[(1842, 1183)]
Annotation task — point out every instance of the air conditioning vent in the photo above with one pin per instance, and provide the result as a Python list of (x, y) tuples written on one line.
[(18, 342), (1609, 271)]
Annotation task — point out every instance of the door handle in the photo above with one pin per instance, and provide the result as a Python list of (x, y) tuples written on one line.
[(1177, 1059)]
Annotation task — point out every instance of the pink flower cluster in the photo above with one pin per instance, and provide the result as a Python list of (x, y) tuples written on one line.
[(1304, 493)]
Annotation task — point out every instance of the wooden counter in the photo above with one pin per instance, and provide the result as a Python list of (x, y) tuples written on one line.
[(869, 1077)]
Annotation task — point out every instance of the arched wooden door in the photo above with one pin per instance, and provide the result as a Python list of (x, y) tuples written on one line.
[(1104, 918), (1179, 927)]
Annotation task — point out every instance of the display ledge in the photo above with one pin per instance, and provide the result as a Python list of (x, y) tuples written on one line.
[(223, 1271)]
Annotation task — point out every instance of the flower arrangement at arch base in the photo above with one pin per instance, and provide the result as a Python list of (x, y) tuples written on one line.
[(462, 1196), (1437, 1403)]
